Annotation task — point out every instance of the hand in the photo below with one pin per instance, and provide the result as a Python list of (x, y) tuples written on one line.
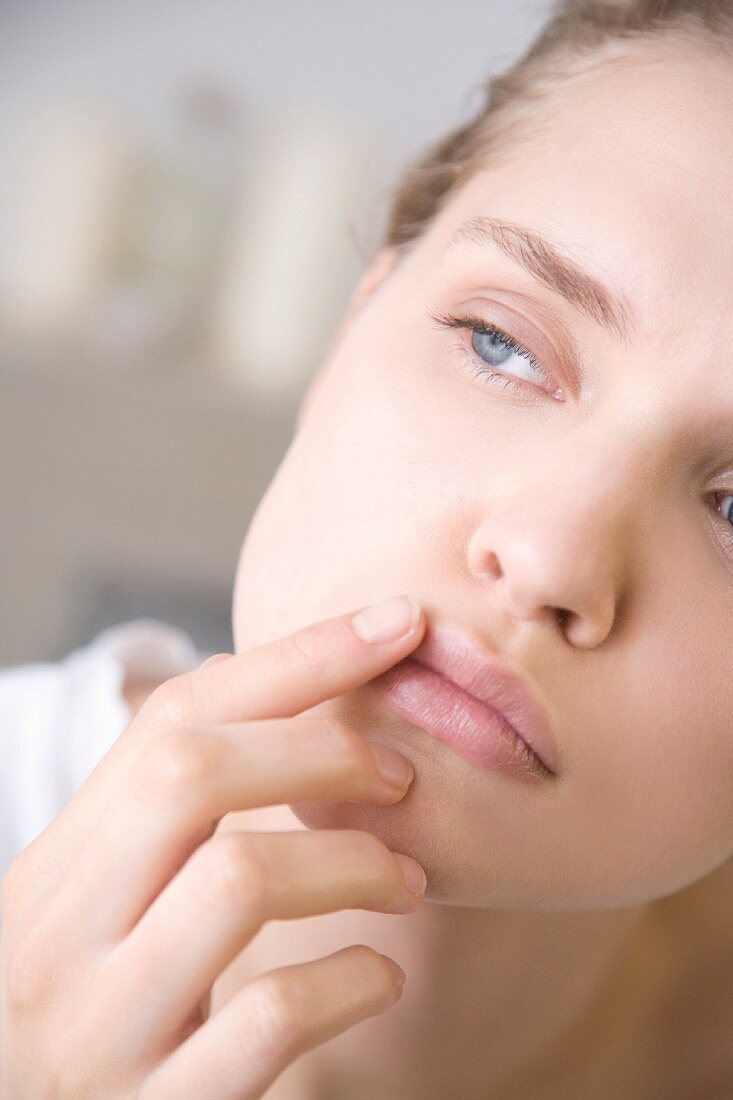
[(121, 915)]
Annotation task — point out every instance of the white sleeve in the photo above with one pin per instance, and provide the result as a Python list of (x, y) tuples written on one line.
[(57, 720)]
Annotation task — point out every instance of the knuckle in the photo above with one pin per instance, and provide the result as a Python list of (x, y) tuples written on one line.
[(175, 765), (171, 704), (370, 852), (379, 876), (306, 647), (373, 968), (344, 746), (234, 869), (279, 1001)]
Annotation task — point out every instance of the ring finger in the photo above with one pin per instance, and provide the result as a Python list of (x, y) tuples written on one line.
[(219, 900)]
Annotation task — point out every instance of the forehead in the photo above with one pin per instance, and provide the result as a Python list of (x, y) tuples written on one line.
[(629, 168)]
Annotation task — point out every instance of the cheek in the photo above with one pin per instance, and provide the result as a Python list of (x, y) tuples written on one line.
[(657, 784), (688, 684), (337, 525), (655, 768), (384, 464), (695, 734)]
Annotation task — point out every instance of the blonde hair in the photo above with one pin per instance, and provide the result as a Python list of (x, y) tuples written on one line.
[(579, 36)]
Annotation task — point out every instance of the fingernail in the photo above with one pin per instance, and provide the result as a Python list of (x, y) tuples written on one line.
[(388, 620), (395, 769), (215, 658), (413, 874)]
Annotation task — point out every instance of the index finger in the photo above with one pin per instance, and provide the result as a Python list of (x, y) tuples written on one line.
[(275, 680), (292, 673)]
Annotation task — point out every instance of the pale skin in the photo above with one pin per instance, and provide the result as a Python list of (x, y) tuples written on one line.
[(574, 941), (556, 927), (106, 979)]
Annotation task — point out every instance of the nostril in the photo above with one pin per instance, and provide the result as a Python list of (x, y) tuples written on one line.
[(490, 567)]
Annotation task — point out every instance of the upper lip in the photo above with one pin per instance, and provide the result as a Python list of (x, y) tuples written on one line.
[(482, 674)]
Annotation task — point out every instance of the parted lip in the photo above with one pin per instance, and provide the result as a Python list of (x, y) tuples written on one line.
[(454, 655)]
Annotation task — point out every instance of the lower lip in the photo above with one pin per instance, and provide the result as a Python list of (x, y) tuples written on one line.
[(473, 729)]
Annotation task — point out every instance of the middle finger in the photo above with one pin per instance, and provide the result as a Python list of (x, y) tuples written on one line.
[(183, 783)]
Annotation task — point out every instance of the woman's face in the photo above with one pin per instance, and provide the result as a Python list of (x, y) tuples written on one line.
[(497, 504)]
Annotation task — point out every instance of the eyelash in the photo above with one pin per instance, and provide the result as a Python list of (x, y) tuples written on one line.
[(479, 366), (481, 369)]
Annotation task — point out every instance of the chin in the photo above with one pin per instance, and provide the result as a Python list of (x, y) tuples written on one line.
[(482, 838)]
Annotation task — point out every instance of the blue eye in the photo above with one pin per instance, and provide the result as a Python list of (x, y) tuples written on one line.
[(495, 349), (726, 511), (491, 347)]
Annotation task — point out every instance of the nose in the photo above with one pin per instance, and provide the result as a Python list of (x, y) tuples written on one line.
[(555, 547)]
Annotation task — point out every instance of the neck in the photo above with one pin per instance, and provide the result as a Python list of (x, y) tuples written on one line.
[(495, 1000)]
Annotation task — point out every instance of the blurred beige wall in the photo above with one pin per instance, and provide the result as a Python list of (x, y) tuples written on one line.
[(178, 177)]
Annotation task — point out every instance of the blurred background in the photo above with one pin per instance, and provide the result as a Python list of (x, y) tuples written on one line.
[(189, 193)]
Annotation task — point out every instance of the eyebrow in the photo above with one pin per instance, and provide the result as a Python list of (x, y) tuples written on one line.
[(546, 262)]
